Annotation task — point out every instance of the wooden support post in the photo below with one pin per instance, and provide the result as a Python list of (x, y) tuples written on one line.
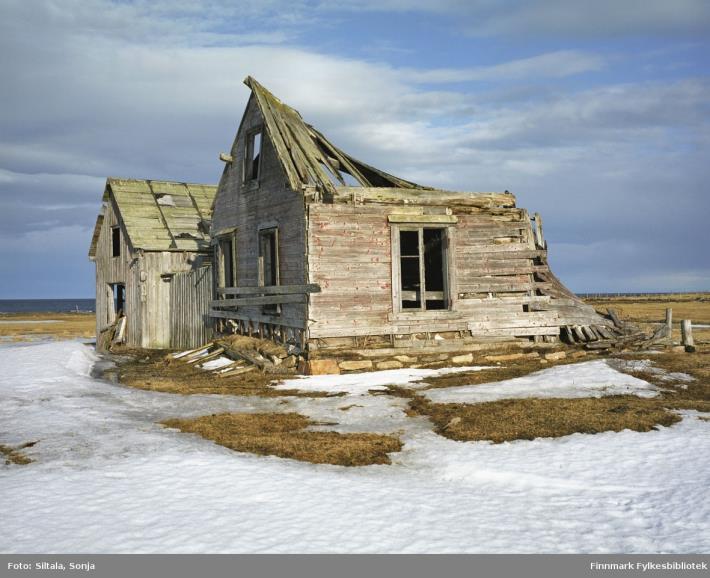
[(615, 318), (539, 238), (686, 332), (579, 334)]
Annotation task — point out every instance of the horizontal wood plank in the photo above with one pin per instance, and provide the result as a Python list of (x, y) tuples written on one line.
[(270, 290), (265, 300)]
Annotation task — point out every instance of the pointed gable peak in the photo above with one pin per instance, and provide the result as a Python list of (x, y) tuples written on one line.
[(308, 157)]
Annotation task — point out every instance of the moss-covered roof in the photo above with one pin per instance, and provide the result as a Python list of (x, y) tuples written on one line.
[(160, 215)]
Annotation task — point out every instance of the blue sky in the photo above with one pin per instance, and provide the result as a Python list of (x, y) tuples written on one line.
[(595, 114)]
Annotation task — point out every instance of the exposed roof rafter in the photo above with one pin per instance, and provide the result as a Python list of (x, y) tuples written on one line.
[(307, 156)]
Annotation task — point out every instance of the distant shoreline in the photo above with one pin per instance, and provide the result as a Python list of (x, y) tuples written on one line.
[(47, 305), (89, 305)]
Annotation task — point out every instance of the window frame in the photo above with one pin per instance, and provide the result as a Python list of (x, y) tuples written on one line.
[(116, 241), (448, 273), (230, 238), (116, 295), (270, 229), (247, 164)]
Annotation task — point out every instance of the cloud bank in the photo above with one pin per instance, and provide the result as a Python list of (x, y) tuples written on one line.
[(609, 145)]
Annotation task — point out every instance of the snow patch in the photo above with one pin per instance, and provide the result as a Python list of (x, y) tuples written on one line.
[(81, 361), (587, 379), (361, 383), (646, 366), (221, 361), (132, 486)]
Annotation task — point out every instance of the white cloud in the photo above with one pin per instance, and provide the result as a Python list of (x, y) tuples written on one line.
[(556, 64), (144, 90)]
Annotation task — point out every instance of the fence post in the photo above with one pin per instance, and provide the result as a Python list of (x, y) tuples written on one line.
[(686, 332)]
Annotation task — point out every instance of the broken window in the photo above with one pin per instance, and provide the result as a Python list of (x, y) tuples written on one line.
[(115, 241), (227, 260), (269, 262), (253, 156), (422, 262)]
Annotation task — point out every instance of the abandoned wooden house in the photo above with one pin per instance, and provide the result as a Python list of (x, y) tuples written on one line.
[(320, 250), (153, 272)]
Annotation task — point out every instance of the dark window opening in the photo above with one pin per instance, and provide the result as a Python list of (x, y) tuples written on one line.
[(227, 262), (422, 255), (410, 269), (115, 241), (119, 300), (253, 156), (269, 263), (434, 268)]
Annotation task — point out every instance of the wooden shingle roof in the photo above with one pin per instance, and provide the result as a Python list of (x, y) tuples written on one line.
[(160, 215)]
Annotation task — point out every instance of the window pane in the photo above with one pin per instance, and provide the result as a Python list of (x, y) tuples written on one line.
[(409, 243), (434, 268), (411, 285)]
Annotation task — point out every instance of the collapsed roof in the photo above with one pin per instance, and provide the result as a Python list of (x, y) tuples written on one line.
[(159, 215), (308, 157)]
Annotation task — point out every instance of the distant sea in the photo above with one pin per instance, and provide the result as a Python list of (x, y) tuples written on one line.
[(46, 305)]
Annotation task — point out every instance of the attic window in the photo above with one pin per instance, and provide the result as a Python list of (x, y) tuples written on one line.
[(253, 156), (115, 241)]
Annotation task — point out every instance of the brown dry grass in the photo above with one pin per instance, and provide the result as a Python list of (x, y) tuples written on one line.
[(157, 371), (20, 326), (652, 309), (284, 435), (679, 394), (527, 419), (14, 455), (508, 420)]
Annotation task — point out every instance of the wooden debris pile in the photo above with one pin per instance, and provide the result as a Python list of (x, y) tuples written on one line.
[(237, 354), (114, 334), (620, 335)]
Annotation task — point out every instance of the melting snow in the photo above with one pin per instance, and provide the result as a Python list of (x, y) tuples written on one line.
[(361, 383), (107, 479), (646, 365), (588, 379)]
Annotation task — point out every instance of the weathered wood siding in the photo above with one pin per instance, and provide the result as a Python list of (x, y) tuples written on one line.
[(154, 310), (190, 294), (349, 256), (497, 274), (158, 270), (249, 207), (111, 270)]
